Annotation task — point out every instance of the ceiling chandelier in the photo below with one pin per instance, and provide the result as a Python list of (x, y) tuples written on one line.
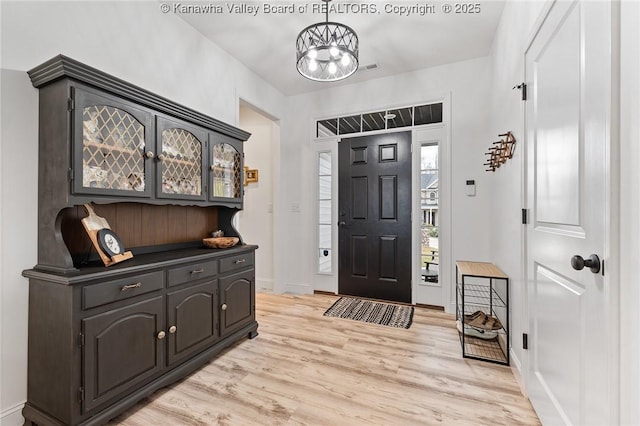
[(327, 51)]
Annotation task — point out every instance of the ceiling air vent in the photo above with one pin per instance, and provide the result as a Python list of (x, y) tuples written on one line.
[(368, 67)]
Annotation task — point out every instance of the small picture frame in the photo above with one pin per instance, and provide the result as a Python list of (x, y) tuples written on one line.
[(250, 175)]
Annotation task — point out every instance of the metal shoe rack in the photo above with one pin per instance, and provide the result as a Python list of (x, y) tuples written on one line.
[(482, 286)]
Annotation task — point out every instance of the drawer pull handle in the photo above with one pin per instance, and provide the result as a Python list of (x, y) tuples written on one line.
[(161, 335), (131, 286), (197, 271), (224, 307), (172, 329), (240, 261)]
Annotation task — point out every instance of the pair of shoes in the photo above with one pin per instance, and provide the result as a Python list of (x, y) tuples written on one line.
[(476, 332), (471, 317), (481, 320)]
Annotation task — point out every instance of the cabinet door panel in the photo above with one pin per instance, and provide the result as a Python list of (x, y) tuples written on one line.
[(111, 140), (237, 299), (194, 314), (121, 350), (182, 158), (226, 169)]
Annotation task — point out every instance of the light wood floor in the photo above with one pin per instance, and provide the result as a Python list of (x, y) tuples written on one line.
[(307, 369)]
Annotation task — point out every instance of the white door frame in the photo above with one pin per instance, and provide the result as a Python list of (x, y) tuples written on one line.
[(329, 282), (441, 295)]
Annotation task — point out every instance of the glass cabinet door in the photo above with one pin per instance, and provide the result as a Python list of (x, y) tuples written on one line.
[(181, 160), (226, 171), (111, 146)]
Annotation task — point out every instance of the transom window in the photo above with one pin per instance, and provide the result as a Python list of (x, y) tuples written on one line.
[(416, 115)]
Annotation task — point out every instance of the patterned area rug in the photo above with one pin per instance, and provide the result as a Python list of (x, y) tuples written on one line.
[(373, 312)]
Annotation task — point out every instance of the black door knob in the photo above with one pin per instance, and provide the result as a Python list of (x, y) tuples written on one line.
[(592, 262)]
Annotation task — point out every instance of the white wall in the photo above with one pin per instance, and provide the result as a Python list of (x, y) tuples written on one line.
[(131, 40), (19, 225), (468, 84), (256, 221), (507, 114)]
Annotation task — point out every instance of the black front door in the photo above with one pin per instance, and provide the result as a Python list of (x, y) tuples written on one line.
[(374, 216)]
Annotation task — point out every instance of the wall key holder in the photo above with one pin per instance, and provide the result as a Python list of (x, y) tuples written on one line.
[(500, 152)]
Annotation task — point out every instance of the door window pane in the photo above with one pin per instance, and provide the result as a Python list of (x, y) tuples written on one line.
[(373, 121), (429, 205), (350, 124), (324, 213), (428, 114), (399, 118), (327, 128)]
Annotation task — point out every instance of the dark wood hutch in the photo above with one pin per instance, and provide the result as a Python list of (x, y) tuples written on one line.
[(164, 176)]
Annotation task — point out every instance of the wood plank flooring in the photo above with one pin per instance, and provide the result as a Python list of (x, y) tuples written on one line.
[(307, 369)]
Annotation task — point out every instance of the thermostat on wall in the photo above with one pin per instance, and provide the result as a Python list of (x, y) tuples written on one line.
[(471, 188)]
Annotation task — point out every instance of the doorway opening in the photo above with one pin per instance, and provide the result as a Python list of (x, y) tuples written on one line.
[(256, 221)]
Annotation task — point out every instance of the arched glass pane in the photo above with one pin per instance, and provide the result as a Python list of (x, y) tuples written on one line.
[(227, 177), (112, 149), (181, 163)]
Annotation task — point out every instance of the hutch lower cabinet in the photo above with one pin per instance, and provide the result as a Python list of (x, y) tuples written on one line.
[(101, 340), (163, 176)]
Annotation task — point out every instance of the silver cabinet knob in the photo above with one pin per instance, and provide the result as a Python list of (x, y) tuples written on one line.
[(172, 329), (149, 154), (211, 167), (161, 335), (224, 307), (160, 157)]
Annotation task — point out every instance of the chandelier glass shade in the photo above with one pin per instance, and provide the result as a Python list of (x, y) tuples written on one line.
[(327, 51)]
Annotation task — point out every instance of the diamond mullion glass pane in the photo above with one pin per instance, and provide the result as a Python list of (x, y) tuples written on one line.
[(181, 163), (112, 151), (227, 177)]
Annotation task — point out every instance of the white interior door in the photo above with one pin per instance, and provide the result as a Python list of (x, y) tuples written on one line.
[(568, 71)]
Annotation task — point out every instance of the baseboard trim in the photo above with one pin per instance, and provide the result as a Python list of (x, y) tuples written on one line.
[(264, 284), (12, 416), (298, 289), (326, 293), (433, 307), (516, 369)]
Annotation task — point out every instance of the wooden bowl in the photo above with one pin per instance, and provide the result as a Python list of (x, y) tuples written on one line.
[(220, 242)]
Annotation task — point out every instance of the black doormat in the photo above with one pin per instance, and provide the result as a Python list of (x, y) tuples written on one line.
[(373, 312)]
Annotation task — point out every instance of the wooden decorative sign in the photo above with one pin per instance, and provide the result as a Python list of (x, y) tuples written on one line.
[(105, 241)]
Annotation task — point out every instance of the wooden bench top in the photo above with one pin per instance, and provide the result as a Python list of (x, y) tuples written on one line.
[(480, 269)]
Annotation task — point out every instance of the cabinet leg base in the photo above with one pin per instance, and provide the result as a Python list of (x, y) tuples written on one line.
[(253, 334)]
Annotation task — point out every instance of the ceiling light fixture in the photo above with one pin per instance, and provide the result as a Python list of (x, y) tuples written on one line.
[(327, 51)]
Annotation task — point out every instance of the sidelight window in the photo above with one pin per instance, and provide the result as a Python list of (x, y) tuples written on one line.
[(324, 213), (429, 205)]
